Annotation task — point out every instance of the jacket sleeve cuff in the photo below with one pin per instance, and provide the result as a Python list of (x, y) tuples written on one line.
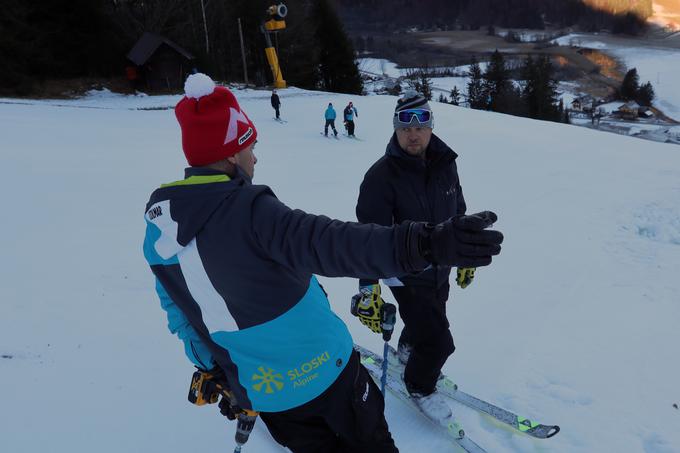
[(367, 282), (415, 236)]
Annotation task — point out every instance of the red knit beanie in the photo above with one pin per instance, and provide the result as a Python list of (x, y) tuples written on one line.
[(213, 125)]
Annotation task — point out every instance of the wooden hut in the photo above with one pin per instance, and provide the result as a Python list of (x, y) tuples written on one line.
[(161, 64)]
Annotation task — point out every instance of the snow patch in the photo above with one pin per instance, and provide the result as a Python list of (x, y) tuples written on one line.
[(657, 223)]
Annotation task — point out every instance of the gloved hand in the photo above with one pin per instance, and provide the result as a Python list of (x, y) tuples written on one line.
[(229, 408), (216, 375), (465, 276), (461, 241), (366, 306)]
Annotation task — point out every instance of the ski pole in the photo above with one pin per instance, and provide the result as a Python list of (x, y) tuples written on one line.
[(388, 317)]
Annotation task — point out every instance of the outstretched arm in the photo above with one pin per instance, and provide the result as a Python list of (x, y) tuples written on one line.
[(332, 248)]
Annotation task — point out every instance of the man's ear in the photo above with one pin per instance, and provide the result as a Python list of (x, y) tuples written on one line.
[(232, 159)]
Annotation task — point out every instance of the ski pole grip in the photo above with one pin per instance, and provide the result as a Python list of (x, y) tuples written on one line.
[(388, 318), (355, 303)]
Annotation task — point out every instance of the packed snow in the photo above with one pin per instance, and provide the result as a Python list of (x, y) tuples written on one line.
[(575, 323)]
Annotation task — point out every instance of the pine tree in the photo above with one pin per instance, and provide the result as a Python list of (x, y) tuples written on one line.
[(497, 84), (540, 92), (630, 85), (412, 78), (476, 94), (425, 84), (337, 69), (455, 96), (548, 89), (645, 95), (530, 91)]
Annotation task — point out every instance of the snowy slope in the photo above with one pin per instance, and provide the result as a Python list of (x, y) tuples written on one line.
[(574, 324)]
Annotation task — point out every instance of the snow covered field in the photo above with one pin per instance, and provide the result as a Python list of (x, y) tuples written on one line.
[(575, 323), (660, 66), (440, 85), (379, 66)]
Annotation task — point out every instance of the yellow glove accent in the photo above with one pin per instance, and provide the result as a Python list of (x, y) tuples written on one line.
[(465, 276), (368, 308)]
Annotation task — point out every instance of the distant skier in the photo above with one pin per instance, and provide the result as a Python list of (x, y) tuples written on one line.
[(330, 120), (276, 103), (349, 113)]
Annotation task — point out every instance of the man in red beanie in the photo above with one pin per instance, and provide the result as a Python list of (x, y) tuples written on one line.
[(235, 269)]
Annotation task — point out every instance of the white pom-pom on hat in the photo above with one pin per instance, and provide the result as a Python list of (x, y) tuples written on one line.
[(198, 85)]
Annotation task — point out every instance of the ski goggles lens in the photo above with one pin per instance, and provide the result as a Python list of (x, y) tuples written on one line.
[(406, 116)]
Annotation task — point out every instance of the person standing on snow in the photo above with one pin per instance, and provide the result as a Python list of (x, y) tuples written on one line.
[(235, 267), (349, 113), (276, 103), (416, 180), (330, 120)]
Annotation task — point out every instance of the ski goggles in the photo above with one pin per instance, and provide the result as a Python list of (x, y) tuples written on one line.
[(406, 116)]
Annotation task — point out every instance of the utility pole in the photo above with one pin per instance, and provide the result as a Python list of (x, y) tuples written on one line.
[(243, 52), (205, 29)]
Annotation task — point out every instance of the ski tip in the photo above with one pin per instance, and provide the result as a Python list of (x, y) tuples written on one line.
[(553, 430), (455, 429)]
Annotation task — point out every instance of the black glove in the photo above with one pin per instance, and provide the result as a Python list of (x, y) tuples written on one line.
[(461, 241), (229, 408)]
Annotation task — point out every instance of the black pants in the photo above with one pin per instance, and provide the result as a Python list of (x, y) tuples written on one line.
[(349, 124), (347, 418), (330, 123), (276, 109), (426, 330)]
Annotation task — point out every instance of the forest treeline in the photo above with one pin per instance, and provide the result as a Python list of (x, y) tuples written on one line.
[(44, 39)]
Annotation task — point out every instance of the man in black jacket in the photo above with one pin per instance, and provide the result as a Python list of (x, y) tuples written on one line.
[(416, 180)]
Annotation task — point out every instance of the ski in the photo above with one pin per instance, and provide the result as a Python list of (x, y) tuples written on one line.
[(280, 120), (452, 430), (450, 389), (328, 136)]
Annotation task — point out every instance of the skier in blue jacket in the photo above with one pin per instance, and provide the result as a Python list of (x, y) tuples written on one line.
[(330, 115), (235, 267)]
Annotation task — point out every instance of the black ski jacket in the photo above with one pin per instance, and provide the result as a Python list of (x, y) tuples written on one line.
[(275, 100), (234, 271), (401, 187)]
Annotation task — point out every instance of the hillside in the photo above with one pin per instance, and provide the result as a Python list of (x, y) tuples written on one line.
[(575, 323)]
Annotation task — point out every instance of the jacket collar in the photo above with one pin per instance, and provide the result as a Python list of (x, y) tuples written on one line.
[(202, 171)]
